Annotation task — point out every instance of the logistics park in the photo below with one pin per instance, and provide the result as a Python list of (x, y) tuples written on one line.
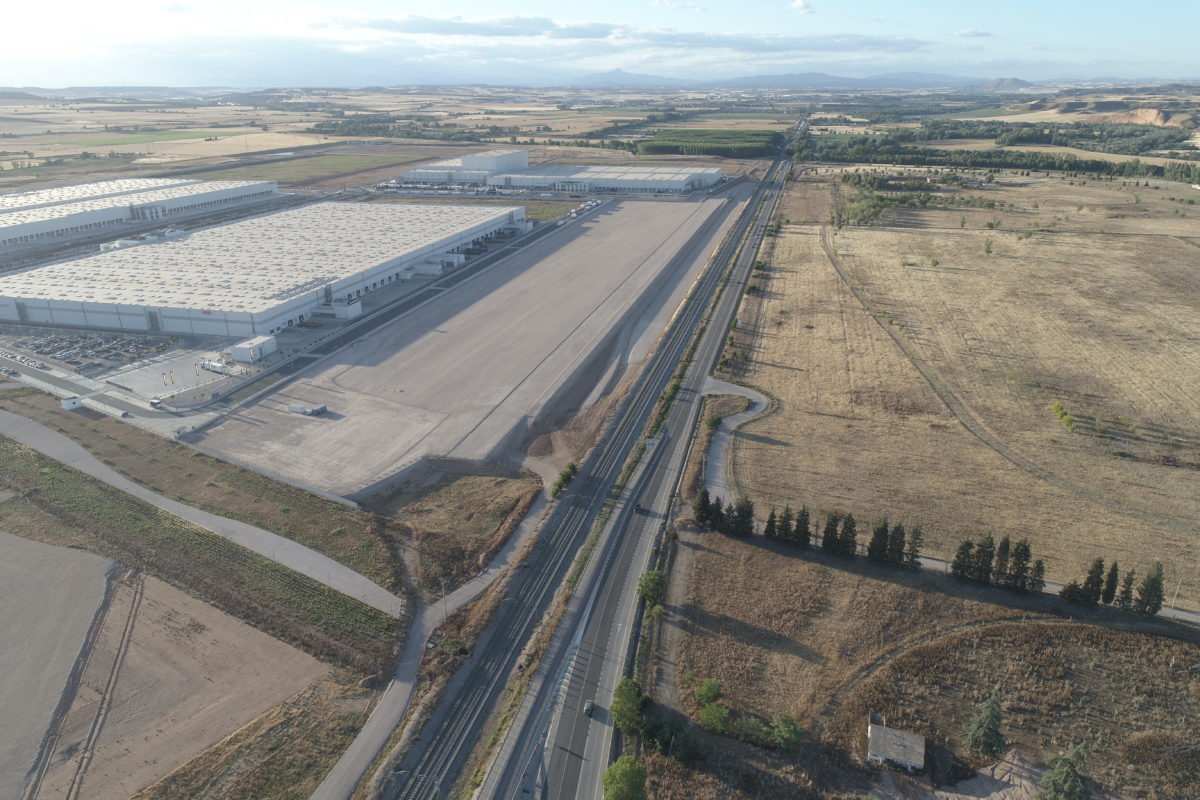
[(419, 462)]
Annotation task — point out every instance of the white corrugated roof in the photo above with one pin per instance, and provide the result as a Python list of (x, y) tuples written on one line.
[(24, 216), (255, 264), (86, 191)]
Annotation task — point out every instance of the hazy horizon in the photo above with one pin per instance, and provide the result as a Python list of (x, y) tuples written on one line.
[(367, 42)]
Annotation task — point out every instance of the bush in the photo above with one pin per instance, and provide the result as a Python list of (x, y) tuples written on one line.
[(709, 691), (624, 780), (715, 717), (786, 732)]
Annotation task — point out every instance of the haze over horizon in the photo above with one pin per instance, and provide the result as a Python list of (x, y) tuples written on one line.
[(371, 42)]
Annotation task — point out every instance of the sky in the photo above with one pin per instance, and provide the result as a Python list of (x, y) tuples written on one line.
[(260, 43)]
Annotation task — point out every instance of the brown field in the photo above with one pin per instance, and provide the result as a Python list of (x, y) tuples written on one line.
[(188, 676), (358, 539), (990, 144), (281, 755), (929, 400), (455, 526), (829, 640)]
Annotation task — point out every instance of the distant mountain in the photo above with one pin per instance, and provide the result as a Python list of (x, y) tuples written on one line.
[(1000, 85), (15, 94), (617, 78), (820, 80)]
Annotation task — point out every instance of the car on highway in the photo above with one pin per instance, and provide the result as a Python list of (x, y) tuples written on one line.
[(589, 708)]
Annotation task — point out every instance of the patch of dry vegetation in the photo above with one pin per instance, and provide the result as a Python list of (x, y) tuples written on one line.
[(1058, 311), (361, 541), (1127, 694), (281, 755), (456, 526)]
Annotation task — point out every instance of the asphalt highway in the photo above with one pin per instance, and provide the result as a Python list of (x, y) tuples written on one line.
[(433, 763), (561, 752)]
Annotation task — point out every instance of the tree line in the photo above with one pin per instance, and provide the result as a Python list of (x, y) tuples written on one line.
[(1007, 566), (1101, 587)]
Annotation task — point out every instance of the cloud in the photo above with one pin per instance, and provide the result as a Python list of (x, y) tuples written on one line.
[(801, 6), (175, 8), (971, 33), (676, 6), (760, 43)]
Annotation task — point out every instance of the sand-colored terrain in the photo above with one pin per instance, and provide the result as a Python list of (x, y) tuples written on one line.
[(169, 677), (1093, 306), (48, 599)]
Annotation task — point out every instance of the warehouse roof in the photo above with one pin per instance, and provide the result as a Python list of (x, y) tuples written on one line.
[(625, 172), (255, 264), (23, 216), (456, 163), (85, 191)]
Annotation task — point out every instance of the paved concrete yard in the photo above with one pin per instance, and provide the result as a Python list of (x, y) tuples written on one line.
[(473, 374)]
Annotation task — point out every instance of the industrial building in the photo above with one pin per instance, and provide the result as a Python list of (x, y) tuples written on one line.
[(253, 277), (625, 178), (473, 169), (31, 221)]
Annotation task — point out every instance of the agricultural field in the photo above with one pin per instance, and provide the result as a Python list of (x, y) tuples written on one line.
[(313, 170), (172, 676), (917, 363), (828, 641)]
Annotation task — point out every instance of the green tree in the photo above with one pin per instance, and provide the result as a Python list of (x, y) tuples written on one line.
[(829, 534), (1125, 598), (652, 587), (985, 553), (1037, 576), (1150, 592), (717, 515), (1000, 572), (624, 780), (1093, 584), (771, 527), (983, 731), (626, 708), (1018, 566), (702, 508), (912, 556), (877, 548), (895, 551), (784, 528), (709, 691), (802, 532), (715, 717), (1066, 778), (785, 731), (1073, 593), (964, 559), (847, 544), (1110, 585), (743, 518)]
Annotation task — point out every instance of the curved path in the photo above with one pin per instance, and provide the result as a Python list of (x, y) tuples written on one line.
[(279, 549), (718, 474)]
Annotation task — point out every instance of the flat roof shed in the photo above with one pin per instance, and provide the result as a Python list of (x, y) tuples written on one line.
[(886, 744)]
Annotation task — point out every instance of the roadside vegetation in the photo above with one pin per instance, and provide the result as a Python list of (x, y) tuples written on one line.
[(711, 142), (60, 505)]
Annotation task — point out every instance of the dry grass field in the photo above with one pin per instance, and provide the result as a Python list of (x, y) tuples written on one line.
[(314, 170), (921, 385), (829, 641), (360, 540)]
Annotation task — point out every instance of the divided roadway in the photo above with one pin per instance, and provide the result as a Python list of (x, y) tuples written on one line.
[(431, 766)]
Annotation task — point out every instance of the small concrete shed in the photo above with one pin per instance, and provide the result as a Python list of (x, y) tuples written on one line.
[(891, 746)]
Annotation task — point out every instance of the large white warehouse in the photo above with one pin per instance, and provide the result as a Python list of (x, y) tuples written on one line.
[(53, 217), (468, 169), (626, 178), (252, 277)]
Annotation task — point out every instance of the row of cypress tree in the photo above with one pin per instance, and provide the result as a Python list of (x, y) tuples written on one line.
[(1099, 587), (1008, 566)]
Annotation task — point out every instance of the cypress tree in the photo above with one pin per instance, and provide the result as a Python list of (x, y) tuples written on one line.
[(702, 508), (1093, 584), (1037, 578), (963, 559), (829, 535), (1073, 593), (1150, 592), (1110, 585), (895, 550), (1000, 572), (1065, 780), (784, 527), (1018, 566), (716, 515), (1125, 598), (878, 546), (912, 556), (985, 552), (847, 544), (983, 731), (771, 527), (802, 532), (743, 518)]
